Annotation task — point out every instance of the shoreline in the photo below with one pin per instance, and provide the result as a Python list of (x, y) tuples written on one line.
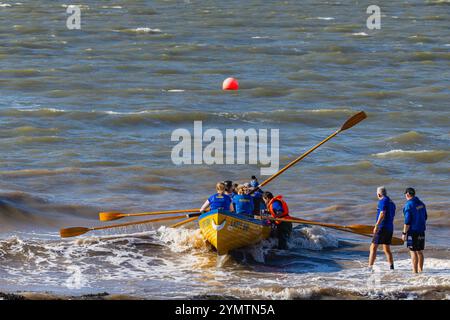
[(20, 296)]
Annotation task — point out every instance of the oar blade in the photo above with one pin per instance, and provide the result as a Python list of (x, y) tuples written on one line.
[(73, 232), (397, 241), (361, 228), (357, 118), (109, 216)]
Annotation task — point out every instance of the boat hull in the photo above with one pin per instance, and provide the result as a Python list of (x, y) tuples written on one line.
[(227, 231)]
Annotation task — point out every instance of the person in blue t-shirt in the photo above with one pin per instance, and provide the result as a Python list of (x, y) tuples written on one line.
[(256, 193), (219, 200), (384, 228), (258, 202), (229, 188), (243, 202), (415, 213), (254, 183)]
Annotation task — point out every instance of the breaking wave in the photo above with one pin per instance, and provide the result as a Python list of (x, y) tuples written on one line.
[(319, 117), (425, 156), (411, 137)]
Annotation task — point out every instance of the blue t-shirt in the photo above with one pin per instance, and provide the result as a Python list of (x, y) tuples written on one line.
[(243, 203), (219, 201), (258, 203), (415, 215), (388, 207)]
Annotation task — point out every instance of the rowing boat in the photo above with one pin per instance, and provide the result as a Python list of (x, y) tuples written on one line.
[(227, 231)]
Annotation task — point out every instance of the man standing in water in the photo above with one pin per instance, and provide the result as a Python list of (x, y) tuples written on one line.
[(416, 216), (278, 208), (384, 228)]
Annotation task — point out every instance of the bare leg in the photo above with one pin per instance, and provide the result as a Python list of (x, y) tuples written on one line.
[(373, 254), (420, 262), (388, 253), (414, 260)]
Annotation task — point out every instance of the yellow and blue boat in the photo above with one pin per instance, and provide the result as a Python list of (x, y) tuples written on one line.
[(228, 230)]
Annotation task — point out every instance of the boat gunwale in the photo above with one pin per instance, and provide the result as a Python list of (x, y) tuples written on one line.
[(260, 222)]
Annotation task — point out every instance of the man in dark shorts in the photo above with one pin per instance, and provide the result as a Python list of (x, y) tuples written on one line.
[(416, 216), (384, 228)]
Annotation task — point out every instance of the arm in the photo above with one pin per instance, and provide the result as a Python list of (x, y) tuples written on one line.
[(231, 207), (204, 206), (405, 231), (407, 224), (377, 224)]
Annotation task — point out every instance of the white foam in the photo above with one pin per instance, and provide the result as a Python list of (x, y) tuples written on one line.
[(401, 152), (76, 279), (182, 239), (313, 238), (146, 30), (363, 34), (325, 18), (355, 281), (132, 262)]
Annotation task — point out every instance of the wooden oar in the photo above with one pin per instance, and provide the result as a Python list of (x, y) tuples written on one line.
[(77, 231), (114, 215), (360, 229), (354, 120), (183, 222)]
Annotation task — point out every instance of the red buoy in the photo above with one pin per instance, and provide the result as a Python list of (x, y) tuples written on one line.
[(230, 84)]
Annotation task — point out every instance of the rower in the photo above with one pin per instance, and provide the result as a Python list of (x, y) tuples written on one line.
[(235, 187), (278, 208), (258, 203), (229, 189), (243, 202), (219, 200), (254, 183)]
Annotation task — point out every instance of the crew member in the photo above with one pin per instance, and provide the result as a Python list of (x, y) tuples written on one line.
[(229, 188), (256, 193), (384, 228), (254, 183), (416, 216), (219, 200), (278, 208), (243, 202)]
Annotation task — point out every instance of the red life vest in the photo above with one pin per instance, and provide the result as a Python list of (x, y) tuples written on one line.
[(285, 213)]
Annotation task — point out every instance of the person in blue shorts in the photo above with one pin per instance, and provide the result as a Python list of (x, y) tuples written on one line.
[(219, 200), (415, 213), (243, 202), (384, 228)]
